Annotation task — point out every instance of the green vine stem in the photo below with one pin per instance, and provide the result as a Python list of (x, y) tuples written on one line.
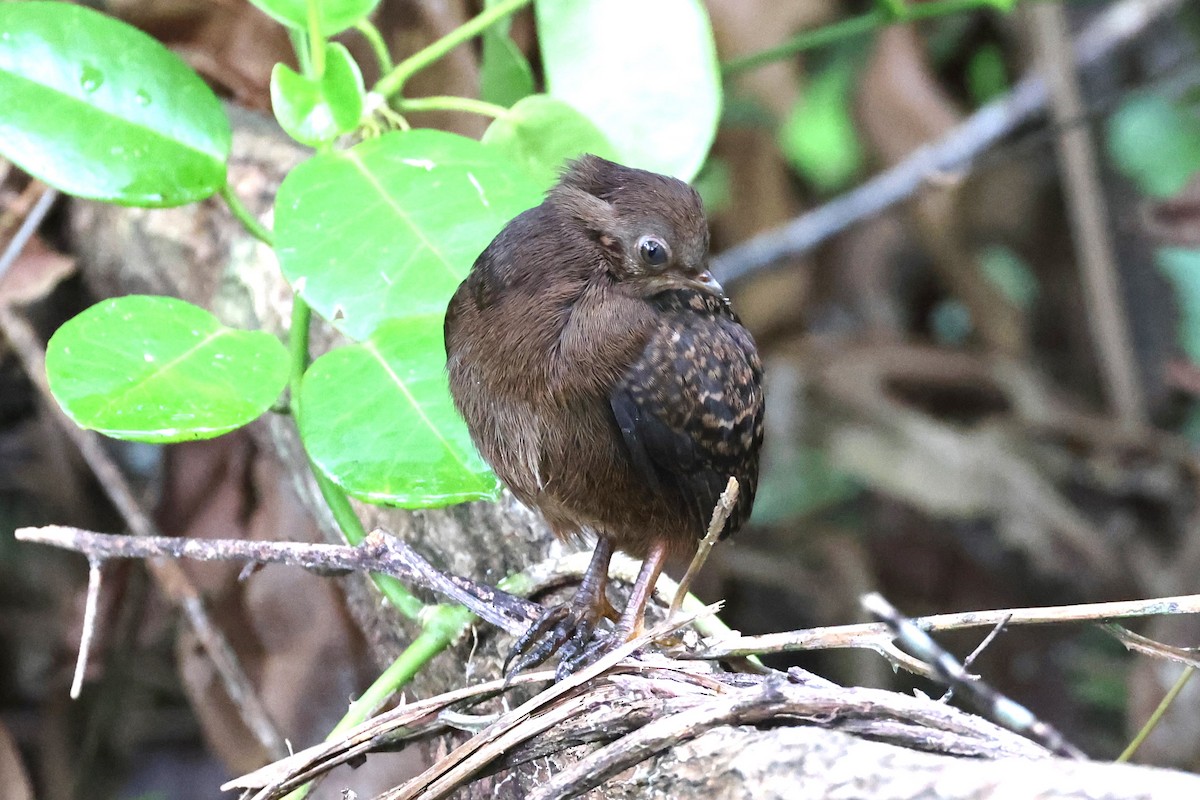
[(246, 217), (1158, 714), (393, 83), (881, 17), (447, 103), (378, 46), (339, 504), (316, 40)]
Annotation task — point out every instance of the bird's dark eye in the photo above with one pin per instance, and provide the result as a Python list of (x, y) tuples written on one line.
[(653, 251)]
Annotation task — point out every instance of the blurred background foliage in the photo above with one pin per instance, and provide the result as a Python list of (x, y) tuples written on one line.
[(940, 424)]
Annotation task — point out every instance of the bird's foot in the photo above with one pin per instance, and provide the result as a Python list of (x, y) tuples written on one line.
[(565, 628)]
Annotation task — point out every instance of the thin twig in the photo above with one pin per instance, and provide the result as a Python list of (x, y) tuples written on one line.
[(1187, 656), (974, 654), (986, 700), (28, 227), (379, 552), (1090, 228), (720, 514), (952, 154), (872, 634), (89, 627)]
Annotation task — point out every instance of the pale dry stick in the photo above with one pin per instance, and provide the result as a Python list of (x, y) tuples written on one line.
[(1084, 194), (873, 635), (720, 514), (952, 154), (169, 576), (1188, 656), (996, 630), (89, 626)]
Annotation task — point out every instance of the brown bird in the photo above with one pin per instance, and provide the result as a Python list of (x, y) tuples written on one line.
[(606, 380)]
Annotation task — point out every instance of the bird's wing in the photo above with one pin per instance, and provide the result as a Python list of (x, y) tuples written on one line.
[(690, 412)]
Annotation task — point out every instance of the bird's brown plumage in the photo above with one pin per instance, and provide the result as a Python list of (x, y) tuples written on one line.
[(599, 368)]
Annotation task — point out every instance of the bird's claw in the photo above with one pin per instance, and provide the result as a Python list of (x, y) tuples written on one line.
[(567, 628)]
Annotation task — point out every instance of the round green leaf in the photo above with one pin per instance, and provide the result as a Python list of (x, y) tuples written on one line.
[(336, 15), (1155, 142), (317, 110), (157, 369), (98, 109), (646, 73), (390, 227), (540, 133), (377, 418)]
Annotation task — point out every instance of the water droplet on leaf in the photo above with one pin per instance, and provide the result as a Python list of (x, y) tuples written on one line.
[(90, 78)]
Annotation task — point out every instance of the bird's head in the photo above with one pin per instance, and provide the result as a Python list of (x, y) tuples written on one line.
[(650, 228)]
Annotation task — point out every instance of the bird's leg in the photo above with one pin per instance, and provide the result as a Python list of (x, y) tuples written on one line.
[(629, 625), (573, 622)]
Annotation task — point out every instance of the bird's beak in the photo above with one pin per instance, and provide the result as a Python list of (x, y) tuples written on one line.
[(707, 281), (686, 279)]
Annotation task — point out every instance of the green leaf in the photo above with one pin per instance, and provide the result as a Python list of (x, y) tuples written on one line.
[(157, 369), (1010, 273), (803, 482), (504, 74), (540, 133), (377, 418), (987, 75), (100, 110), (1182, 268), (819, 137), (390, 227), (1155, 142), (317, 110), (645, 72), (336, 15)]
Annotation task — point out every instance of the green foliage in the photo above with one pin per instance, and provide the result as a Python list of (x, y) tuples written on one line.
[(1182, 268), (504, 74), (100, 110), (1005, 268), (987, 76), (540, 133), (390, 227), (319, 109), (645, 72), (377, 418), (157, 369), (818, 137), (1156, 142), (374, 237), (335, 15)]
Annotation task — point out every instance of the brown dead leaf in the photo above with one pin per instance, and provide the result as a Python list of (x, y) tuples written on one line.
[(35, 274), (13, 776)]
